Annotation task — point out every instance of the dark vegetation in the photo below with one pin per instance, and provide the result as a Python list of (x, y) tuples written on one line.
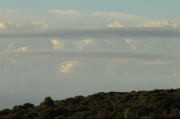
[(156, 104)]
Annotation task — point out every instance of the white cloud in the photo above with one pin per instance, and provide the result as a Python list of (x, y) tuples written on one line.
[(63, 45), (115, 24), (14, 44), (42, 25), (88, 41), (174, 23), (68, 66), (109, 44), (30, 26), (22, 49), (127, 19), (57, 44), (93, 44), (4, 24), (8, 26), (132, 43), (71, 18), (175, 75), (19, 17), (65, 12), (33, 26), (129, 41)]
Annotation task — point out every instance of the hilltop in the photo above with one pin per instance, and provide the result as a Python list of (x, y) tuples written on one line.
[(155, 104)]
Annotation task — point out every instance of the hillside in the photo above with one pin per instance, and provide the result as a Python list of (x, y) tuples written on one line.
[(155, 104)]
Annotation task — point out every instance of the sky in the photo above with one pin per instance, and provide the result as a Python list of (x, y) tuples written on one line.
[(67, 48)]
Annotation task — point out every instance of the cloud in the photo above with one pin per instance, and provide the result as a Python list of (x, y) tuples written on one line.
[(174, 23), (57, 44), (63, 45), (141, 39), (115, 24), (7, 26), (10, 45), (14, 44), (88, 41), (30, 26), (54, 54), (132, 43), (22, 49), (68, 66), (41, 25), (101, 33), (65, 12), (71, 18), (19, 17), (119, 16), (107, 45), (90, 44), (4, 24), (175, 75), (160, 45)]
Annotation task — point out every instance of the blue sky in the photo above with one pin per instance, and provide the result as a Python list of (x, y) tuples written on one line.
[(64, 48), (153, 8)]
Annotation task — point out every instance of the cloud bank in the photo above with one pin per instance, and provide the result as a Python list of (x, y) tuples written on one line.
[(174, 23), (103, 33)]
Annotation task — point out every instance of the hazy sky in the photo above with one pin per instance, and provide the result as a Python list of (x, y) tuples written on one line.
[(64, 48)]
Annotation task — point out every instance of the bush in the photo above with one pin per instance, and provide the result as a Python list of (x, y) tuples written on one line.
[(48, 102)]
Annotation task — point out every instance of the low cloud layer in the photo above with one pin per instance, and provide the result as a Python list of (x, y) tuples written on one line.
[(115, 24), (51, 54), (174, 23), (104, 33)]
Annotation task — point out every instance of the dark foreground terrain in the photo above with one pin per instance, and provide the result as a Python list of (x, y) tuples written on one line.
[(156, 104)]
